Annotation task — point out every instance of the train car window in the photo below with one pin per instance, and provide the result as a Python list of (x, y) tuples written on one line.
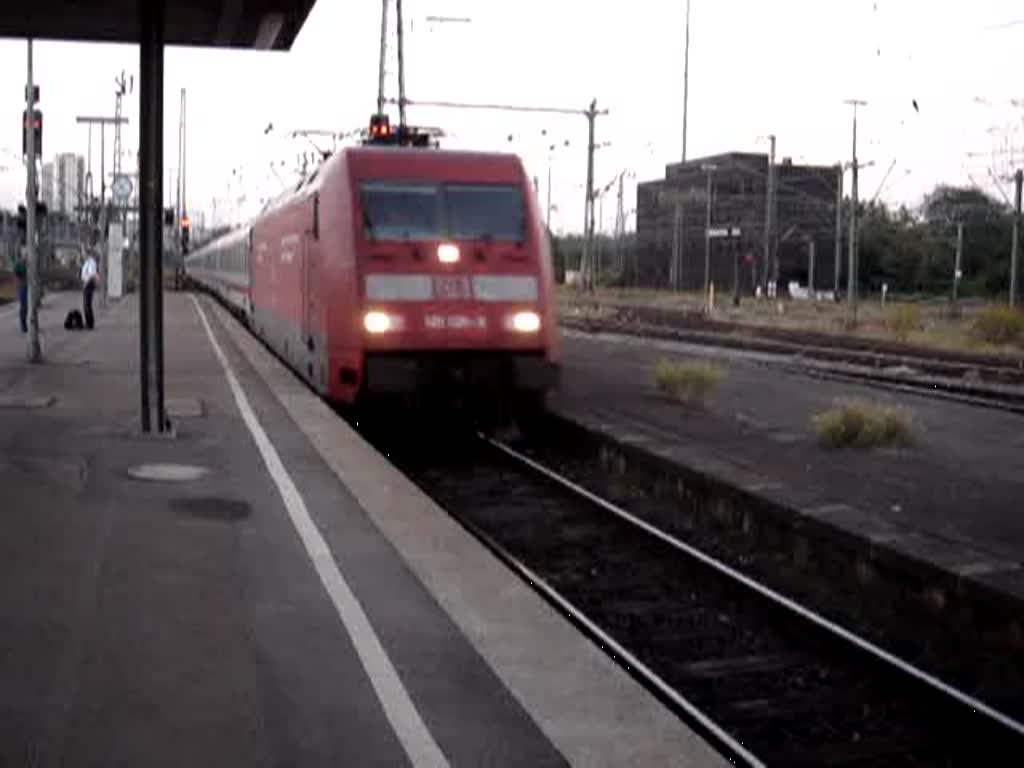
[(398, 211), (485, 212)]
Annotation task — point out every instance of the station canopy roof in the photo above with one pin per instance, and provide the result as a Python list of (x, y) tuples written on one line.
[(262, 24)]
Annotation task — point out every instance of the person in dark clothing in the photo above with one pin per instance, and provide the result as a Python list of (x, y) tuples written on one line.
[(21, 275), (89, 280)]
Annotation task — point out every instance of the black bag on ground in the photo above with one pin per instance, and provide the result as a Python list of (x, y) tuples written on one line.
[(74, 321)]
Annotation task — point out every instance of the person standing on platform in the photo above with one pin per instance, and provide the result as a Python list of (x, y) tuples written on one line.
[(21, 276), (90, 276)]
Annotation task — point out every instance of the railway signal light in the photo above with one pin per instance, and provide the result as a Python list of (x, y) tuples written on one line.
[(186, 225), (37, 130)]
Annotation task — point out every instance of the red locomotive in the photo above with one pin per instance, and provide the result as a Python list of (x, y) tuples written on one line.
[(396, 269)]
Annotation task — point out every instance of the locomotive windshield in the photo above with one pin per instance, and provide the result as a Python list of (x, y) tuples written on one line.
[(402, 211)]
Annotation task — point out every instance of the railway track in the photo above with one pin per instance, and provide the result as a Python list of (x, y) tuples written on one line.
[(986, 385), (763, 678), (767, 680)]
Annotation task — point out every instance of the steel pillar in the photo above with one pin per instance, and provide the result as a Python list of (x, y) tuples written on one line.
[(151, 146)]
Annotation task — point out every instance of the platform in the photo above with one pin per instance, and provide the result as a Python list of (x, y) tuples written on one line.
[(952, 499), (261, 587)]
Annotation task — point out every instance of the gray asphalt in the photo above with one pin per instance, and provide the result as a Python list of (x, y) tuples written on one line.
[(182, 623)]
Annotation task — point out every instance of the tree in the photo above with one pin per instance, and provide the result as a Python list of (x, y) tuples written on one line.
[(987, 226)]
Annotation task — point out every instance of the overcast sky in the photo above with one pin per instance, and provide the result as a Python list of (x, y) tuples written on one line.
[(755, 68)]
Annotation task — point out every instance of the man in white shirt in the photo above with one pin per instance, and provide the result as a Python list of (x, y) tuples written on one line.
[(90, 276)]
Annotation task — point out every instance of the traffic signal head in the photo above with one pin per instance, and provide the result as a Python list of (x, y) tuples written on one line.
[(186, 225)]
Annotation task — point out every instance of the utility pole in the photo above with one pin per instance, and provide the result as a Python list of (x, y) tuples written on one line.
[(769, 216), (104, 254), (118, 96), (383, 55), (35, 352), (88, 174), (184, 158), (620, 228), (586, 267), (548, 219), (810, 268), (401, 64), (709, 169), (735, 268), (956, 267), (179, 207), (686, 76), (839, 230), (1018, 179), (851, 279)]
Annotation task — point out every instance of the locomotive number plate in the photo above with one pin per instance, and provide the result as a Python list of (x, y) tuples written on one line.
[(451, 288), (455, 322)]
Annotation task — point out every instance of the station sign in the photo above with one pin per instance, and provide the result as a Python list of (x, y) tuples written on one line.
[(716, 232)]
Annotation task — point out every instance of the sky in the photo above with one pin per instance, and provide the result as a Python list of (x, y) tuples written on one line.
[(756, 68)]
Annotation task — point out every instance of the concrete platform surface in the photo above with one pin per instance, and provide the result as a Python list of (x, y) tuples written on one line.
[(953, 498), (261, 588)]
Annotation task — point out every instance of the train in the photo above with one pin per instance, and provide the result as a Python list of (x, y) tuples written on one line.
[(400, 272)]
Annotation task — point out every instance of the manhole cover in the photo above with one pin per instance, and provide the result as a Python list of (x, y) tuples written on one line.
[(168, 473), (212, 508)]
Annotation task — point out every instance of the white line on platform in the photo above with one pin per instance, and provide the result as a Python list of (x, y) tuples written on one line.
[(401, 712)]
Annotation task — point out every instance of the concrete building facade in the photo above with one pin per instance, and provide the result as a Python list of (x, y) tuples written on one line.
[(70, 183), (672, 215), (46, 186)]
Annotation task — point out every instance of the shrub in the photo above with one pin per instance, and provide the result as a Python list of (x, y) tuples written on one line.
[(860, 424), (902, 320), (1000, 325), (688, 381)]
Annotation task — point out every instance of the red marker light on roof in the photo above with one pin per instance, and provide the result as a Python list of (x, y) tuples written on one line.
[(380, 126), (447, 253)]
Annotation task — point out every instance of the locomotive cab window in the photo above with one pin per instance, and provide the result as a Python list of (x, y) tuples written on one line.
[(393, 211), (485, 212), (409, 211)]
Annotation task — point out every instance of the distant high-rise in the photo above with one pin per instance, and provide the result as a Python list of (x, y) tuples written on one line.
[(70, 184), (46, 192)]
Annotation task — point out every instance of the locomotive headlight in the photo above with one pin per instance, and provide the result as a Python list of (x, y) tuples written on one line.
[(447, 253), (526, 322), (377, 322)]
